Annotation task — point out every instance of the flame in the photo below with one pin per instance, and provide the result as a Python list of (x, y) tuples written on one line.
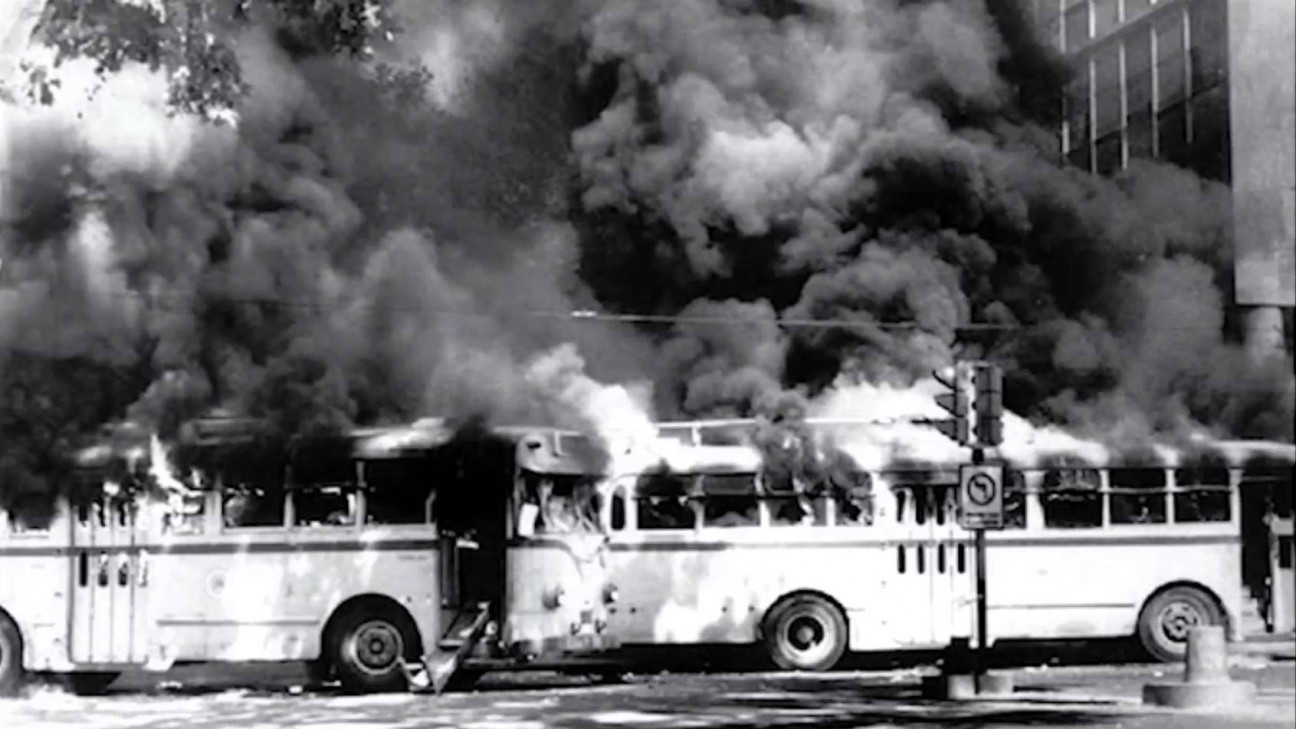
[(163, 472)]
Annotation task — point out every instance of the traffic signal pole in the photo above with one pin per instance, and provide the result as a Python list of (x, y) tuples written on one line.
[(975, 402)]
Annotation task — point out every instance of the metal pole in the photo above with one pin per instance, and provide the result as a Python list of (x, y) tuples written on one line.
[(979, 658)]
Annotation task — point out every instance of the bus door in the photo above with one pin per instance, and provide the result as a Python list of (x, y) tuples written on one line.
[(106, 593), (951, 567), (908, 592)]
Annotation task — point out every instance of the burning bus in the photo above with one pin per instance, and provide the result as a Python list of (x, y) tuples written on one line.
[(414, 555)]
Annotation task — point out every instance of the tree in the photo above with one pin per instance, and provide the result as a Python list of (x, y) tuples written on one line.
[(189, 39)]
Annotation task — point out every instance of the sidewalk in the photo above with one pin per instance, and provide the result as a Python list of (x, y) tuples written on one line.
[(1277, 646)]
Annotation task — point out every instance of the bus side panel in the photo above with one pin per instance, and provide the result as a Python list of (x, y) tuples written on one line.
[(686, 590), (35, 576), (557, 595), (1094, 586), (33, 591)]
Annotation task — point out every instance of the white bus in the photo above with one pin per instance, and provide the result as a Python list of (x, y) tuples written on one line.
[(332, 556), (870, 559), (414, 553)]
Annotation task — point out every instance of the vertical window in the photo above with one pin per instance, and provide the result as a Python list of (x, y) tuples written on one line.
[(1108, 155), (1049, 18), (1107, 97), (330, 505), (397, 492), (31, 513), (1135, 9), (1210, 133), (1138, 495), (1138, 95), (663, 502), (730, 500), (1076, 102), (1202, 494), (1070, 498), (1171, 83), (249, 505), (1172, 135), (1076, 22), (1106, 16)]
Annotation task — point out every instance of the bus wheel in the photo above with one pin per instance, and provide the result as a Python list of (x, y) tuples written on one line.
[(367, 649), (1165, 620), (11, 664), (805, 633)]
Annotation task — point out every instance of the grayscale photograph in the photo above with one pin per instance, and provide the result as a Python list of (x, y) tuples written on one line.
[(647, 364)]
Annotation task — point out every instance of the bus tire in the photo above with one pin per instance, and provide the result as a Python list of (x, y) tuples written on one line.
[(805, 633), (367, 646), (1164, 622), (11, 657)]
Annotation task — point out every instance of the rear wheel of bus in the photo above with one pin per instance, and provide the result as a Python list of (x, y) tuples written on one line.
[(805, 633), (11, 660), (1167, 617), (367, 646)]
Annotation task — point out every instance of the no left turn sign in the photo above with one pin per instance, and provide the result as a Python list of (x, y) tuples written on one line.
[(981, 496)]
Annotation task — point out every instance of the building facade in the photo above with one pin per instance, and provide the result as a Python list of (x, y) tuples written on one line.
[(1206, 85)]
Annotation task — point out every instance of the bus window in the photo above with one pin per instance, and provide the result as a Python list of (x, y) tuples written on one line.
[(1014, 500), (662, 502), (251, 506), (568, 506), (1070, 498), (730, 500), (1202, 494), (31, 513), (185, 513), (396, 492), (618, 515), (324, 505), (1138, 495), (853, 493)]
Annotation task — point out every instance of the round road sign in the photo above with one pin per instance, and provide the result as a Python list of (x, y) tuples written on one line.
[(981, 489)]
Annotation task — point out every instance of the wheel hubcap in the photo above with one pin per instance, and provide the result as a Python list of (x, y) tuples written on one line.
[(805, 633), (376, 646), (1177, 619)]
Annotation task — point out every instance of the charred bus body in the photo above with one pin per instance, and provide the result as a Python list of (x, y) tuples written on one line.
[(414, 554)]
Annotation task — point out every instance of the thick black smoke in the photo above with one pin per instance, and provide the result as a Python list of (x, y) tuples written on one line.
[(890, 164), (372, 244)]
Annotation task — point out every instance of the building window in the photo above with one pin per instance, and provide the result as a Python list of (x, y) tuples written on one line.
[(1135, 9), (1171, 81), (1210, 133), (1076, 104), (1076, 21), (1107, 154), (1048, 15), (1172, 135), (1106, 16), (1209, 60), (1107, 99), (1139, 136)]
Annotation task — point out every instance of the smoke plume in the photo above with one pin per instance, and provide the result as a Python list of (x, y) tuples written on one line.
[(369, 243)]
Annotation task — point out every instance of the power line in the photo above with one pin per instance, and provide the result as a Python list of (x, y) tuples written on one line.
[(571, 314)]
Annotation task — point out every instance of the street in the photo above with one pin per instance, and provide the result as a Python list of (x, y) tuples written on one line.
[(1069, 696)]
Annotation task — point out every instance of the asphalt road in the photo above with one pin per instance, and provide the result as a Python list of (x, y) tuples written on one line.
[(1083, 696)]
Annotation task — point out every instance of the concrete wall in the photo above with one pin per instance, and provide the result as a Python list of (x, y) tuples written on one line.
[(1262, 117)]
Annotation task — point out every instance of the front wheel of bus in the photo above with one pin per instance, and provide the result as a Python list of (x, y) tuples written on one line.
[(368, 648), (1164, 622), (805, 633), (11, 660)]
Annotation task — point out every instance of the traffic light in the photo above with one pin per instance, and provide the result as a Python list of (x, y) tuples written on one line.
[(988, 381), (956, 402)]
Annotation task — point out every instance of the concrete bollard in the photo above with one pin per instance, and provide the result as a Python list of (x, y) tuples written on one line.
[(1206, 681)]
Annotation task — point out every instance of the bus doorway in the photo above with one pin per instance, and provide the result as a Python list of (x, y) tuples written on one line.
[(1267, 572), (109, 581)]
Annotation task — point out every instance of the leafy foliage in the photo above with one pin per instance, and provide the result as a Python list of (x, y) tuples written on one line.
[(190, 39)]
